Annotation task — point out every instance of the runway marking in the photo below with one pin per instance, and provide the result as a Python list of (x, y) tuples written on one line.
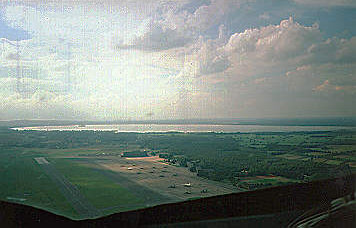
[(80, 204), (41, 160)]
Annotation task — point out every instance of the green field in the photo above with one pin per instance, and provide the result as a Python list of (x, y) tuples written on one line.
[(102, 192), (22, 178), (23, 181), (291, 156)]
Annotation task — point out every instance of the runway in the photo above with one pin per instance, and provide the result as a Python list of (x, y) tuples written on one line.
[(80, 204)]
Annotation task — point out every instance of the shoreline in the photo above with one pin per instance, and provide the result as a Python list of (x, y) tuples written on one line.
[(184, 128)]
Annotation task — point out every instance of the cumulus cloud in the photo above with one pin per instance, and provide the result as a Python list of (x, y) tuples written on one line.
[(274, 50), (287, 40), (212, 58), (177, 27), (288, 60), (254, 51), (334, 50), (159, 38)]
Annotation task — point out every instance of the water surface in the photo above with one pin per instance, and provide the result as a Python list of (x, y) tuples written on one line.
[(144, 128)]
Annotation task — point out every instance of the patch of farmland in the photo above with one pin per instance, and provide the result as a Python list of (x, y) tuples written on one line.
[(290, 156), (317, 154), (333, 162), (342, 148)]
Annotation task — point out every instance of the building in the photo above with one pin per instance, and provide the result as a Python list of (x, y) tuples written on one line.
[(133, 154)]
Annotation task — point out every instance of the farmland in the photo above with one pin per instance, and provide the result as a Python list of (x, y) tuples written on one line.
[(82, 174)]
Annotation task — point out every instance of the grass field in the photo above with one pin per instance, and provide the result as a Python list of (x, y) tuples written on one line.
[(100, 191), (317, 153), (21, 177), (263, 181), (23, 181), (290, 156)]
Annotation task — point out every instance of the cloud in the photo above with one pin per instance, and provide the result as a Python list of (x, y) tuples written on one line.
[(208, 15), (327, 3), (177, 27), (284, 62), (322, 86), (334, 50), (158, 38), (255, 51), (287, 40), (176, 59), (274, 49), (264, 16), (326, 86)]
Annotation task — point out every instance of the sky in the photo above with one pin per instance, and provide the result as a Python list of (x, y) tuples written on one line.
[(163, 59)]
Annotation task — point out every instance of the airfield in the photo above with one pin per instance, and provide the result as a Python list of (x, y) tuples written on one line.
[(176, 183), (83, 175), (69, 191), (148, 181)]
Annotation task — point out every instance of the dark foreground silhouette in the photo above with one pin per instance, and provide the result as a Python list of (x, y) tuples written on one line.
[(271, 207)]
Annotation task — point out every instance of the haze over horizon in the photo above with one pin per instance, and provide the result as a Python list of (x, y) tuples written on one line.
[(151, 60)]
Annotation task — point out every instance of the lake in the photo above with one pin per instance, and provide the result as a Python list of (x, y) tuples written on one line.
[(144, 128)]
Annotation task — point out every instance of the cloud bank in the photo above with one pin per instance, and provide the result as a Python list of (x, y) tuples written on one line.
[(168, 59)]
